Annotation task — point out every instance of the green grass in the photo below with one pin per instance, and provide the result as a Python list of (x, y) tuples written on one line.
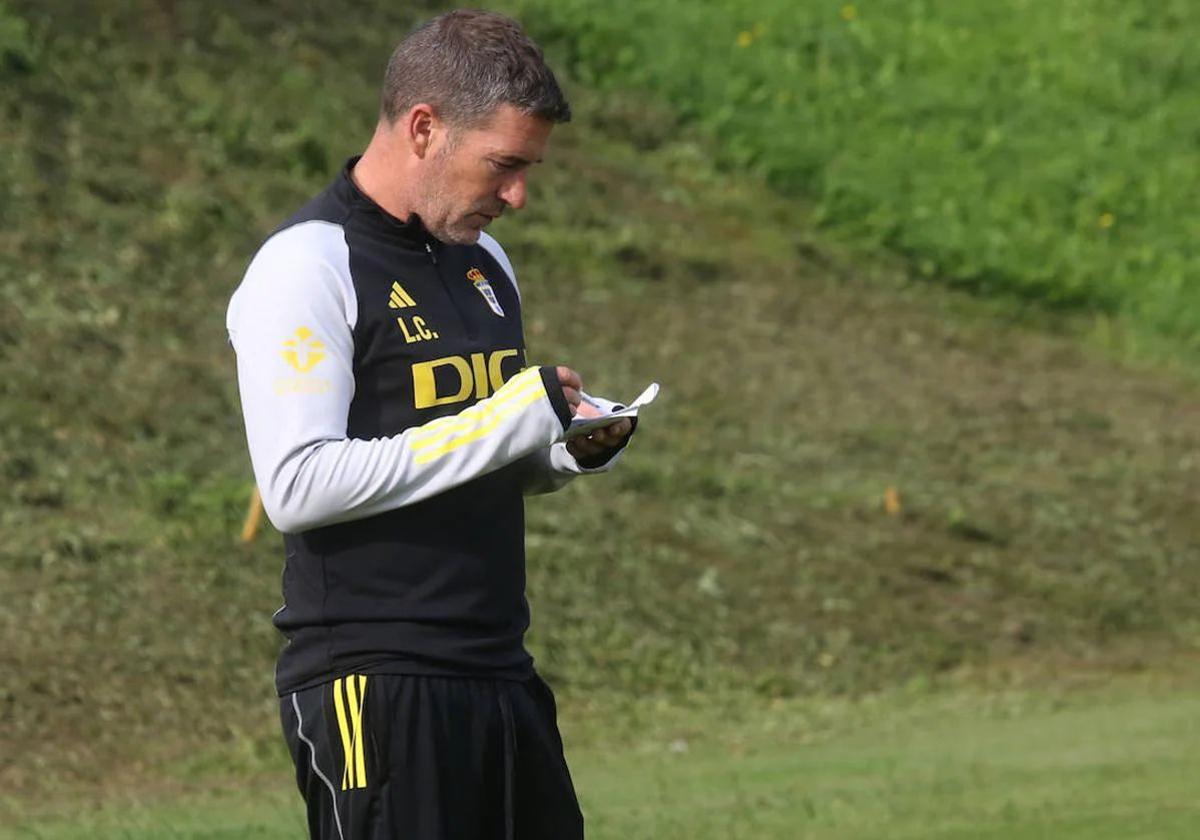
[(741, 555), (1042, 150), (1105, 761)]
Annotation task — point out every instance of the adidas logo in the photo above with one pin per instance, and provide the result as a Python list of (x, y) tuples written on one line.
[(400, 299)]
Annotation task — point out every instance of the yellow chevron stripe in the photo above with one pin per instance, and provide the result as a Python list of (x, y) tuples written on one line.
[(355, 699), (482, 431), (476, 414), (400, 299), (347, 747)]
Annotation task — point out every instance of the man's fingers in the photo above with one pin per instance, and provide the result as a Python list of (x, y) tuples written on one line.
[(589, 410), (571, 385), (569, 378), (573, 399), (617, 431), (600, 440), (610, 436), (583, 448), (601, 437)]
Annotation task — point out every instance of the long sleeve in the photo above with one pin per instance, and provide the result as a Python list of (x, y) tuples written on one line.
[(291, 323)]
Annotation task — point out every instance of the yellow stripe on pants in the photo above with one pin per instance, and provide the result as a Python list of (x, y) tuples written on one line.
[(349, 709), (356, 697)]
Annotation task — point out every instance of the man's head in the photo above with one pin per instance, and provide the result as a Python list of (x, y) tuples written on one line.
[(467, 106)]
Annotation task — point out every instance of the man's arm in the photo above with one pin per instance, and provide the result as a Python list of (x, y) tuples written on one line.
[(549, 469), (291, 323)]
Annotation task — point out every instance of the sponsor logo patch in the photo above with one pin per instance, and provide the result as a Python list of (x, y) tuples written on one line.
[(303, 352)]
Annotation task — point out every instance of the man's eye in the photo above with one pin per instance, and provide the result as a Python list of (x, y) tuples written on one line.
[(500, 166)]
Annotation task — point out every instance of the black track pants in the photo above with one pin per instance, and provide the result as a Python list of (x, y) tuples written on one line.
[(430, 758)]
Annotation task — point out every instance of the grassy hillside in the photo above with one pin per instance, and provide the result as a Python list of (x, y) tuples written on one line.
[(742, 554), (1045, 150)]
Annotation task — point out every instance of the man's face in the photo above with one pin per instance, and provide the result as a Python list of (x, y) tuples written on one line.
[(474, 174)]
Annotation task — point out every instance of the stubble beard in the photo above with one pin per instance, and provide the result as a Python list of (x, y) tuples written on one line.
[(440, 218)]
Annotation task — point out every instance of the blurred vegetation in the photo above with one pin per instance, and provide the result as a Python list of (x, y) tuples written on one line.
[(743, 552), (1043, 150)]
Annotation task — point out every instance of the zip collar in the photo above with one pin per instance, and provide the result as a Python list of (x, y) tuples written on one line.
[(411, 231)]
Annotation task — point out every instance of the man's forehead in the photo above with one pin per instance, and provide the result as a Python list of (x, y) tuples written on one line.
[(509, 131)]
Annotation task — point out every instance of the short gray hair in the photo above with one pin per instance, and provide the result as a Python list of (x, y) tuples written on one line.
[(465, 64)]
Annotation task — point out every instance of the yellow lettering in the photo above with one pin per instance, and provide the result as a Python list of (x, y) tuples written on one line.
[(481, 374), (422, 330), (479, 366), (494, 373), (425, 393), (408, 339)]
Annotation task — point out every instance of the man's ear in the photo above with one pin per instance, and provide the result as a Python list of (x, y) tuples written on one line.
[(418, 128)]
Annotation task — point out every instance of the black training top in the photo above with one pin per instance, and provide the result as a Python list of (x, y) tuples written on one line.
[(393, 426)]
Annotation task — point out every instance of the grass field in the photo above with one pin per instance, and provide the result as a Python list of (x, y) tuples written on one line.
[(1044, 150), (1103, 762), (742, 558)]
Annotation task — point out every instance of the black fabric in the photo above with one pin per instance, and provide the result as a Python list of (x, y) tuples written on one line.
[(557, 398), (436, 587), (445, 758)]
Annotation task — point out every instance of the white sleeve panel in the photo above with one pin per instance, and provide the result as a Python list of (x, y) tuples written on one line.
[(550, 469), (290, 323)]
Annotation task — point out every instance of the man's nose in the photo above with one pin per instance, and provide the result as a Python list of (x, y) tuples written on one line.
[(513, 191)]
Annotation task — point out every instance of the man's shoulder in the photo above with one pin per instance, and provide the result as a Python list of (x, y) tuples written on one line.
[(326, 206), (305, 258), (488, 243), (315, 232), (311, 223), (301, 263), (309, 247)]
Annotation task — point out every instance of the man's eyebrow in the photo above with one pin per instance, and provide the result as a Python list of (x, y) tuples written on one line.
[(517, 159)]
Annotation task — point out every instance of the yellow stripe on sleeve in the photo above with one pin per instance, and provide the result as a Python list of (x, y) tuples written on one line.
[(528, 378), (476, 416), (480, 432), (519, 386)]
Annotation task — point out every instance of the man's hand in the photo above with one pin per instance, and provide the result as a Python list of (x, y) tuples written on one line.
[(601, 440), (571, 385)]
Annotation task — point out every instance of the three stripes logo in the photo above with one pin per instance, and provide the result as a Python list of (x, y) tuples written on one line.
[(349, 696), (400, 299)]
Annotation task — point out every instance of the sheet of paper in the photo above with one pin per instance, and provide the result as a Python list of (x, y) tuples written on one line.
[(586, 425)]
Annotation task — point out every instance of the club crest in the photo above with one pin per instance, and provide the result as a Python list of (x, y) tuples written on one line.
[(485, 288)]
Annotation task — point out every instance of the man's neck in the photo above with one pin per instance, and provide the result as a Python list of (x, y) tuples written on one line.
[(375, 175)]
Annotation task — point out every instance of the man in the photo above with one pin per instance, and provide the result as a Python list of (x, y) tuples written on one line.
[(394, 427)]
